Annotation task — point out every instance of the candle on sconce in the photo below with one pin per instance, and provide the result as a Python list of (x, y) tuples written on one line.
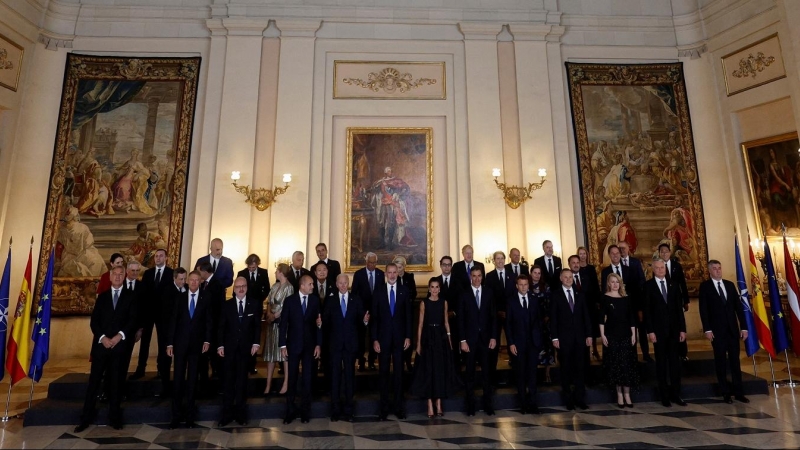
[(495, 172), (542, 172), (236, 175), (287, 178)]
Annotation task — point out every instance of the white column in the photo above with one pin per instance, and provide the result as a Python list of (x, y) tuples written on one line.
[(289, 226), (488, 217)]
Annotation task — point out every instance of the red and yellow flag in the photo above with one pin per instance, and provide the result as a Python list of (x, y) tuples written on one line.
[(759, 309), (18, 355)]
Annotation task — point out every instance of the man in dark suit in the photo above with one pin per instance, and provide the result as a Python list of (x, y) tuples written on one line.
[(169, 298), (723, 321), (391, 336), (215, 293), (524, 337), (449, 292), (479, 334), (113, 322), (188, 337), (635, 264), (365, 280), (586, 284), (666, 328), (342, 317), (677, 277), (300, 339), (550, 264), (239, 338), (503, 285), (334, 268), (571, 333), (298, 260), (324, 288), (633, 287), (462, 270), (221, 266), (515, 266), (258, 286), (136, 287), (154, 281)]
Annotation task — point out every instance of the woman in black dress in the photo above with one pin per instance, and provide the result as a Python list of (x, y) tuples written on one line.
[(434, 372), (540, 290), (618, 333)]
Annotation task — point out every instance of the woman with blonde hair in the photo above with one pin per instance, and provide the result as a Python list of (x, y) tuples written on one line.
[(273, 306), (618, 333)]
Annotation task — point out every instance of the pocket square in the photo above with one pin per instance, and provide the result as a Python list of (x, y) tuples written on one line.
[(249, 315)]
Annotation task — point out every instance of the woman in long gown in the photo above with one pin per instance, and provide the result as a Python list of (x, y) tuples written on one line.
[(434, 374), (273, 306), (618, 333)]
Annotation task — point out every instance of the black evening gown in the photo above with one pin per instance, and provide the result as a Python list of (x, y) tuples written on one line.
[(619, 358), (434, 372)]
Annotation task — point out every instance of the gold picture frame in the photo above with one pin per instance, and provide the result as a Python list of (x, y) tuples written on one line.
[(772, 164), (754, 65), (389, 196), (119, 172), (11, 55), (389, 80)]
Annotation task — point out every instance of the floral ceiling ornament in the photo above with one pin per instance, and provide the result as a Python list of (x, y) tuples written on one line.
[(390, 80), (750, 66)]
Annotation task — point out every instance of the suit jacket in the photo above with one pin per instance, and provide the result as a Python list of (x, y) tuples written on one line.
[(142, 305), (477, 326), (724, 317), (361, 288), (259, 289), (523, 326), (151, 292), (629, 280), (451, 293), (216, 296), (238, 337), (637, 272), (294, 280), (664, 319), (343, 330), (459, 273), (555, 280), (108, 321), (334, 268), (408, 281), (224, 272), (169, 298), (298, 331), (386, 328), (590, 287), (677, 277), (570, 327), (523, 270), (501, 291), (330, 288), (186, 334)]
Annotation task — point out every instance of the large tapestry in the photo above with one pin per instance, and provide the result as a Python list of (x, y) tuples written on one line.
[(119, 173), (389, 196), (637, 163)]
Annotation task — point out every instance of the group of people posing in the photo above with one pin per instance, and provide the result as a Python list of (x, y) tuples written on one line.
[(316, 320)]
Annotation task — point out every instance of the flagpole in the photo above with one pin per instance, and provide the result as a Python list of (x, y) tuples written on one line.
[(30, 397), (755, 372), (775, 384), (791, 382), (5, 418)]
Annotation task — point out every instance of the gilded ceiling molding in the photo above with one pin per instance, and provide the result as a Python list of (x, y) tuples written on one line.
[(752, 65), (389, 80)]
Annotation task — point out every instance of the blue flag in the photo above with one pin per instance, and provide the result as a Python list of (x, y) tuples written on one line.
[(751, 343), (779, 338), (4, 290), (41, 328)]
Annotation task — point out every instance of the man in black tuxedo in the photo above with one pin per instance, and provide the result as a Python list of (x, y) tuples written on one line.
[(677, 277), (586, 284), (391, 336), (633, 287), (550, 264), (334, 268), (324, 288), (449, 292), (666, 328), (169, 297), (524, 337), (239, 338), (635, 264), (300, 339), (462, 270), (342, 316), (221, 266), (365, 280), (479, 335), (515, 266), (188, 336), (113, 322), (258, 286), (503, 285), (136, 287), (571, 332), (723, 321), (215, 293), (154, 281)]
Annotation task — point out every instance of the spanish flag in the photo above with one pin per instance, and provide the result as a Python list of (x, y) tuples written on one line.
[(759, 309), (18, 354)]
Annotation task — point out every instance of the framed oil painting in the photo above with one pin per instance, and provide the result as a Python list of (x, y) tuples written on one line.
[(10, 63), (119, 173), (637, 163), (389, 196), (773, 172)]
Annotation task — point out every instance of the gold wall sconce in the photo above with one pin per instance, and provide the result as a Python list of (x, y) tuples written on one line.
[(261, 198), (517, 195)]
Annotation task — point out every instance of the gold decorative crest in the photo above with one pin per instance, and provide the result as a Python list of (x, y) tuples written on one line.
[(752, 65), (389, 80)]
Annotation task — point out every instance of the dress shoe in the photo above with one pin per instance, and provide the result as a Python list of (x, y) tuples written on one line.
[(223, 423), (620, 405), (384, 416), (666, 403), (678, 401), (335, 417), (470, 410), (136, 376), (191, 424), (347, 417), (304, 418), (174, 424), (242, 421), (489, 411), (727, 399), (288, 418), (400, 414), (582, 405), (117, 425), (629, 405), (570, 406), (81, 428), (742, 398), (533, 409)]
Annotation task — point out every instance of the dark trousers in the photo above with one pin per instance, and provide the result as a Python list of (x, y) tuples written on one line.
[(391, 382), (342, 368), (163, 362), (644, 342), (307, 358), (107, 363), (479, 354), (494, 354), (572, 369), (726, 353), (144, 346), (184, 386), (125, 362), (668, 366), (234, 391), (525, 365), (364, 346)]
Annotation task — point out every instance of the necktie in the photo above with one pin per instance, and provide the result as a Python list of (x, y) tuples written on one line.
[(304, 305), (447, 282), (664, 291), (391, 300), (214, 266), (241, 309), (578, 282), (130, 285), (616, 270), (549, 266), (478, 298), (116, 297), (516, 270), (469, 269), (721, 291), (297, 275), (321, 290), (571, 300), (371, 283), (344, 307), (253, 277), (502, 278), (191, 307), (524, 299), (158, 276)]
